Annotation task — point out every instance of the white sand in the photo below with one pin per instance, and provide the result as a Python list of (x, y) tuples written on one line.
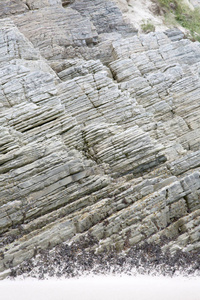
[(103, 288)]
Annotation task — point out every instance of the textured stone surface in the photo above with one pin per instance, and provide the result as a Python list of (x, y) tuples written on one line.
[(99, 130), (9, 7)]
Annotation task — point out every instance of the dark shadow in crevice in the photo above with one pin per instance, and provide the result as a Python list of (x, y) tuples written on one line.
[(65, 3)]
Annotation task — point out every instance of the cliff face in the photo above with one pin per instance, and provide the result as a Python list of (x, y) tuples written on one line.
[(99, 130)]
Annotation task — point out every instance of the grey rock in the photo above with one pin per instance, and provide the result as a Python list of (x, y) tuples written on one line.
[(99, 130), (105, 16), (76, 31), (174, 34), (9, 7)]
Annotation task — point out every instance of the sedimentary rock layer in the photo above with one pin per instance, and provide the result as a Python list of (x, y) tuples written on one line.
[(100, 130)]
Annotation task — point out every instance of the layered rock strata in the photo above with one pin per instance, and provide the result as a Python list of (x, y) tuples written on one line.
[(100, 130)]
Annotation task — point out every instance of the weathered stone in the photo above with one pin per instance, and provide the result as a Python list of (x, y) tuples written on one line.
[(36, 4), (174, 34), (75, 31), (105, 16), (86, 147), (9, 7)]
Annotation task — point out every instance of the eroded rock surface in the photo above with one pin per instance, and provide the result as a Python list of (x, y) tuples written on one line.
[(100, 130)]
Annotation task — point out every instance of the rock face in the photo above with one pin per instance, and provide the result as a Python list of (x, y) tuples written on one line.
[(100, 130)]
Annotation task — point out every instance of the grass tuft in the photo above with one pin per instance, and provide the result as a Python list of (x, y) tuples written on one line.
[(147, 27)]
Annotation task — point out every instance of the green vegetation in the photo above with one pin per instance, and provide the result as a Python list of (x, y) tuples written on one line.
[(182, 14), (147, 27)]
